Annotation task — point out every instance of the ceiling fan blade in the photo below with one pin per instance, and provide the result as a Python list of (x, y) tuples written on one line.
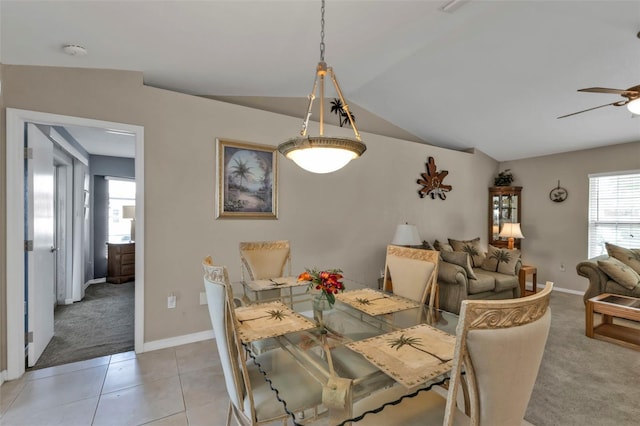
[(619, 103), (606, 90)]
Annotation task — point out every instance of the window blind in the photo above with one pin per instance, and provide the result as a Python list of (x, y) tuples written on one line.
[(614, 211)]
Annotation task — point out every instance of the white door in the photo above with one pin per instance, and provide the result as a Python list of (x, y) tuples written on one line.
[(40, 229)]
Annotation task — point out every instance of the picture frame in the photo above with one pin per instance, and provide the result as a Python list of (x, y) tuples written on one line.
[(247, 180)]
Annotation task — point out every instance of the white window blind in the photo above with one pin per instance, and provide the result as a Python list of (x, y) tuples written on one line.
[(614, 211)]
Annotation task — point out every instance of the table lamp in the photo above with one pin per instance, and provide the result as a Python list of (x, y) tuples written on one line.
[(406, 235), (511, 231), (129, 212)]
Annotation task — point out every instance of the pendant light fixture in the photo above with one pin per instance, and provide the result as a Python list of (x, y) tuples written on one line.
[(323, 154)]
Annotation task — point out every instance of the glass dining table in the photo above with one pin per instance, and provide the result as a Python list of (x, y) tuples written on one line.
[(367, 341)]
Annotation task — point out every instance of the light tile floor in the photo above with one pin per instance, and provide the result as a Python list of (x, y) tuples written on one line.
[(176, 386)]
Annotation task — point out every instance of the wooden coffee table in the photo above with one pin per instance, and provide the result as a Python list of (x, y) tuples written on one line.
[(610, 306)]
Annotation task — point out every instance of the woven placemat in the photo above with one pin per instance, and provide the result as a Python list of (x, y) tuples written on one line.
[(374, 302), (411, 356), (265, 320)]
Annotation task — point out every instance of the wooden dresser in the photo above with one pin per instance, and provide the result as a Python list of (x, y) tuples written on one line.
[(121, 262)]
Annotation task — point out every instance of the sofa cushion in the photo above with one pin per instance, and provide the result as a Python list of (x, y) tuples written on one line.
[(501, 260), (470, 246), (484, 282), (440, 246), (459, 258), (502, 281), (614, 287), (620, 273), (630, 257)]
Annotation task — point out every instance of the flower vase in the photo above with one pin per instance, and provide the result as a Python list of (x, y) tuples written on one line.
[(321, 302)]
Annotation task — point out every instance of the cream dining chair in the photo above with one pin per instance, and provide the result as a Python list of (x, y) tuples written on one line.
[(412, 273), (263, 260), (499, 345), (252, 402)]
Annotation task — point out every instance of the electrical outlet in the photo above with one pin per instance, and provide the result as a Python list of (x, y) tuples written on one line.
[(171, 301), (562, 268), (203, 298)]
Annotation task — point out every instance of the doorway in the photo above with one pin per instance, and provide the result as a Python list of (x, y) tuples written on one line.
[(16, 124)]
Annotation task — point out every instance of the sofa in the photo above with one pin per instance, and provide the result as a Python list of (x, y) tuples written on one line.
[(475, 279), (601, 282)]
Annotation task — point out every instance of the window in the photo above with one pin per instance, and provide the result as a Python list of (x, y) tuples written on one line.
[(614, 211), (121, 193)]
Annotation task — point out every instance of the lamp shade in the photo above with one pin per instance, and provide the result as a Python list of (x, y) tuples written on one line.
[(406, 235), (322, 154), (128, 212), (511, 230)]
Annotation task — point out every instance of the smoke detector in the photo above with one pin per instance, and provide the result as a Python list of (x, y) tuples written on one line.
[(74, 50)]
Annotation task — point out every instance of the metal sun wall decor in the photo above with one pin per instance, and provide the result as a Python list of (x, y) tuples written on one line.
[(432, 182)]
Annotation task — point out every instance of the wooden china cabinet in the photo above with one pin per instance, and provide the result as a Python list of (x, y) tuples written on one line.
[(504, 207)]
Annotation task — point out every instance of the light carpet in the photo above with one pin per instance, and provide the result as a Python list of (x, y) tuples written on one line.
[(583, 381)]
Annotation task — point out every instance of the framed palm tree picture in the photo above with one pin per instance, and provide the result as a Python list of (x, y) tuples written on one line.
[(247, 180)]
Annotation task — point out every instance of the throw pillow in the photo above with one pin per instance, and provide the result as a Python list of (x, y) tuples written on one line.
[(459, 258), (620, 273), (472, 247), (442, 246), (426, 245), (501, 260), (630, 257)]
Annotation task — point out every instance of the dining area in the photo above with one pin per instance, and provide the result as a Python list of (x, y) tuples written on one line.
[(317, 347)]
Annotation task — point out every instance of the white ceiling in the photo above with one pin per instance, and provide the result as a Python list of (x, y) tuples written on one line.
[(492, 75), (107, 142)]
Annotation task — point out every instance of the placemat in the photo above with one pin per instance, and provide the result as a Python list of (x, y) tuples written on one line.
[(271, 319), (375, 302), (411, 356), (280, 282)]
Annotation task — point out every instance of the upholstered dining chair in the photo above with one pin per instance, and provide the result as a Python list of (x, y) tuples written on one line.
[(499, 346), (412, 273), (263, 260), (252, 402)]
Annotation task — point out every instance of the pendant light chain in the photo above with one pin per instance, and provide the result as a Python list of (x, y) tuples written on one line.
[(323, 154), (322, 32)]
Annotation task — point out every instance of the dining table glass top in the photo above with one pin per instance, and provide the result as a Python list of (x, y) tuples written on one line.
[(368, 339)]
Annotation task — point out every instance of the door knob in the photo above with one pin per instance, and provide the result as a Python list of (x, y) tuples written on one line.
[(53, 249)]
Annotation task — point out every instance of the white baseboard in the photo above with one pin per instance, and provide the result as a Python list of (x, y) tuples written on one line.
[(95, 281), (177, 341), (3, 376), (68, 301)]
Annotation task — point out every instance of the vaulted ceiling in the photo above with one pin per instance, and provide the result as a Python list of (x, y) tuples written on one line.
[(491, 75)]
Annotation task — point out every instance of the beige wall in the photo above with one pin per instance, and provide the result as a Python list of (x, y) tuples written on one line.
[(344, 219), (556, 233)]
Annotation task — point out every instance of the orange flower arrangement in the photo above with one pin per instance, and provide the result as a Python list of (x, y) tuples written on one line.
[(328, 282)]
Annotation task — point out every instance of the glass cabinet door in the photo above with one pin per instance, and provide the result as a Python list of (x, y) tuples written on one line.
[(504, 207)]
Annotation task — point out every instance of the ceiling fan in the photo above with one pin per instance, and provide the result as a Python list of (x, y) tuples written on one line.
[(631, 94)]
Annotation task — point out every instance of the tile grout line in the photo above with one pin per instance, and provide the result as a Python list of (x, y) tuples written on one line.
[(104, 380)]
